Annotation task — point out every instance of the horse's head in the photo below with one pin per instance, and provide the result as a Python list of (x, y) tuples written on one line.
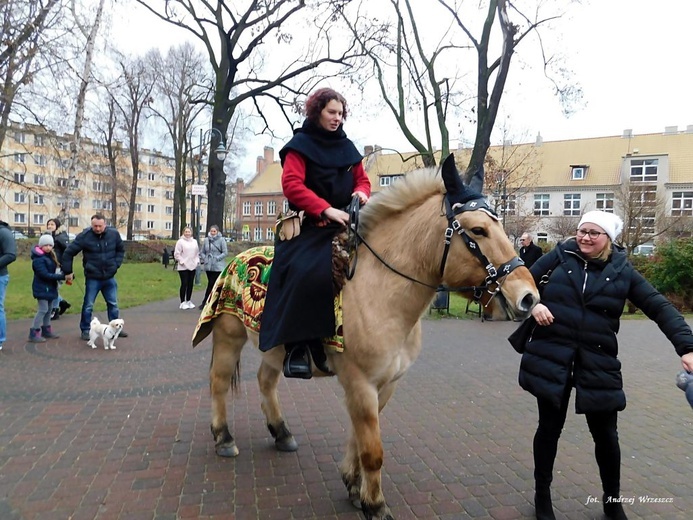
[(495, 265)]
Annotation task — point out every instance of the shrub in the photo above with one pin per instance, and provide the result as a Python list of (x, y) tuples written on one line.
[(671, 272)]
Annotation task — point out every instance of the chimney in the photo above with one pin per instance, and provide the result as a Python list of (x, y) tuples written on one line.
[(689, 129), (671, 130), (269, 155), (539, 140), (259, 165), (627, 133)]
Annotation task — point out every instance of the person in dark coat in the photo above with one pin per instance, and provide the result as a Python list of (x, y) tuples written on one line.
[(60, 241), (529, 251), (584, 283), (44, 287), (322, 171), (213, 259), (102, 255), (8, 254)]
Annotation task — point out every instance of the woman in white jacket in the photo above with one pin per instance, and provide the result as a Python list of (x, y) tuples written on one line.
[(187, 255)]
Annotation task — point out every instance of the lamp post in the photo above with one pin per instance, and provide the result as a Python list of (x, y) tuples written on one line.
[(199, 188)]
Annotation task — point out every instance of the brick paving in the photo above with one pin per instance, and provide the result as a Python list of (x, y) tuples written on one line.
[(94, 434)]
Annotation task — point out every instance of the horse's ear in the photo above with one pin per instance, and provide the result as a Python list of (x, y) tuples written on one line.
[(476, 183), (451, 177)]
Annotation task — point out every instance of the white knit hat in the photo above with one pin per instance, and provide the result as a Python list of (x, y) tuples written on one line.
[(610, 223), (46, 240)]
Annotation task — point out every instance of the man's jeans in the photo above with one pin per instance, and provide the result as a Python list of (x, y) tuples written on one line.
[(4, 280), (109, 289)]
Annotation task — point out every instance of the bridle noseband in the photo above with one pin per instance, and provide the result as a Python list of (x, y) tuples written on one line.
[(494, 275)]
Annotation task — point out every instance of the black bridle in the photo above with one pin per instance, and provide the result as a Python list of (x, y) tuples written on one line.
[(492, 282)]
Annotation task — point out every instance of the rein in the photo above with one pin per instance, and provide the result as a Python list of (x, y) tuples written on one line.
[(493, 274)]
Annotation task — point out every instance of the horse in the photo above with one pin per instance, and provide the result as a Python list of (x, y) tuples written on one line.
[(407, 249)]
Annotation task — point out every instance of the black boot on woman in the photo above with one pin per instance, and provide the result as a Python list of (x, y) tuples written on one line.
[(543, 506), (612, 509)]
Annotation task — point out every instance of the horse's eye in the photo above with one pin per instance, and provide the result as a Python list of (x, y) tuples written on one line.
[(478, 231)]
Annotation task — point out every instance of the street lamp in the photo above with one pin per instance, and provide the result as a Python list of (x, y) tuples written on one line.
[(220, 152)]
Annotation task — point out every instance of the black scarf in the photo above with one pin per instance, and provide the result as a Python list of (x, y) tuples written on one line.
[(323, 147)]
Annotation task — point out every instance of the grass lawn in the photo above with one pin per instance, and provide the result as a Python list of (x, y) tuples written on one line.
[(137, 284)]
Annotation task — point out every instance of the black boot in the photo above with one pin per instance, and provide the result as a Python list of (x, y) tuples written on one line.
[(543, 506), (64, 305), (613, 509), (297, 361), (55, 314)]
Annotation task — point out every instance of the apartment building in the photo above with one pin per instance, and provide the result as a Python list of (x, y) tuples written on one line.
[(540, 187), (36, 185)]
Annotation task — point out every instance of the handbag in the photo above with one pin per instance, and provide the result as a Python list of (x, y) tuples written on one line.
[(522, 334), (288, 224)]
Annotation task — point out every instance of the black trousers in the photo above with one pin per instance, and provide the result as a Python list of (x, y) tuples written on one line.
[(211, 280), (187, 279), (604, 432)]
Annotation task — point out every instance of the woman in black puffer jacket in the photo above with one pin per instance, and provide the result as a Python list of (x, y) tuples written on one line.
[(585, 282), (60, 240)]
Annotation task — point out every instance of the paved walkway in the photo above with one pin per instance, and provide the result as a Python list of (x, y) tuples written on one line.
[(92, 434)]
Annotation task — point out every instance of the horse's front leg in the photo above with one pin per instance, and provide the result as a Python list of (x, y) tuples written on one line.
[(228, 338), (268, 379), (363, 405)]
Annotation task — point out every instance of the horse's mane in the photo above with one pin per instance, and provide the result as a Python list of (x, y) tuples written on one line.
[(414, 188)]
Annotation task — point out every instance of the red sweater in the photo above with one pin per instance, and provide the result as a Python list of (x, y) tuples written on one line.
[(295, 190)]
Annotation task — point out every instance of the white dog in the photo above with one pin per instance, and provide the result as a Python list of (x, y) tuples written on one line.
[(109, 332)]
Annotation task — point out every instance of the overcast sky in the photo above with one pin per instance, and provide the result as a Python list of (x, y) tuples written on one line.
[(631, 57)]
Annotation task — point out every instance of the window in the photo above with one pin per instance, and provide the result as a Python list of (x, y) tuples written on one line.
[(246, 209), (150, 224), (644, 170), (138, 207), (169, 195), (541, 204), (107, 204), (510, 206), (152, 161), (385, 180), (139, 192), (38, 218), (137, 224), (169, 210), (39, 179), (169, 179), (20, 197), (605, 202), (578, 172), (246, 234), (258, 234), (271, 207), (74, 185), (150, 192), (20, 158), (74, 222), (19, 218), (107, 187), (75, 205), (270, 234), (168, 226), (39, 140), (96, 186), (65, 163), (40, 160), (258, 208), (19, 178), (150, 208), (682, 204), (151, 176), (95, 204), (285, 206), (571, 204), (61, 182), (20, 137), (542, 238), (38, 199)]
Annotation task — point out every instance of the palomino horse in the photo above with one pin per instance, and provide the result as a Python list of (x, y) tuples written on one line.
[(409, 249)]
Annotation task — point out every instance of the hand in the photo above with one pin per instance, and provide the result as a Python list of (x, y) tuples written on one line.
[(69, 277), (363, 198), (542, 314), (687, 361), (336, 215)]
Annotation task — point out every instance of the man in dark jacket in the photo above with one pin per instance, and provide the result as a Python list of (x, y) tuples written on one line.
[(8, 254), (102, 255), (529, 251)]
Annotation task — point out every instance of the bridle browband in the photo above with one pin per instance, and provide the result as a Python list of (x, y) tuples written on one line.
[(451, 211)]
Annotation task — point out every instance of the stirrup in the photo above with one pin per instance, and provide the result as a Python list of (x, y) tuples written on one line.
[(297, 363)]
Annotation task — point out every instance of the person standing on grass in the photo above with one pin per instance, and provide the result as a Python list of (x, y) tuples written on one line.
[(8, 254), (102, 255), (213, 259), (47, 272), (60, 241), (187, 255)]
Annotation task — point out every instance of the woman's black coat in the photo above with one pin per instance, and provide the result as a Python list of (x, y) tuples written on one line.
[(580, 347)]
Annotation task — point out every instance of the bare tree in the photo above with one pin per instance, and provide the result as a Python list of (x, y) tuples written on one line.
[(26, 28), (563, 226), (238, 36), (420, 71)]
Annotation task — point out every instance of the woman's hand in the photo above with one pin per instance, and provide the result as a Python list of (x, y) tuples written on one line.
[(542, 314), (687, 361), (363, 198), (336, 215)]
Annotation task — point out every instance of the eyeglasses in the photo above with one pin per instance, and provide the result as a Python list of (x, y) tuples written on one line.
[(593, 234)]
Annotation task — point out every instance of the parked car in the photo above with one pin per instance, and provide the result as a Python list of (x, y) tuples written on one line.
[(18, 235)]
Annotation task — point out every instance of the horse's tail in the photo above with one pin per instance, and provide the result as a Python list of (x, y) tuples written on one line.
[(235, 375)]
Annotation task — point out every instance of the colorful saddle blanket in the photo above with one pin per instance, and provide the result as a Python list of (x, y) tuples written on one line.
[(241, 288)]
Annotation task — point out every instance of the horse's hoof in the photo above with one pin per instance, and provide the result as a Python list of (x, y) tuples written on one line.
[(381, 512), (227, 450), (356, 502), (286, 444)]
